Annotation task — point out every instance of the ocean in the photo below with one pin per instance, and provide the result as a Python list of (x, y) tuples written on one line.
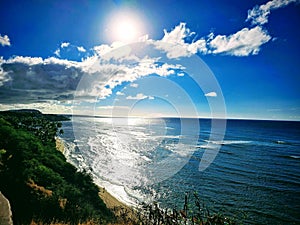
[(254, 177)]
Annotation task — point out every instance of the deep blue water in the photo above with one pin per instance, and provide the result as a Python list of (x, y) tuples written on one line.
[(255, 176)]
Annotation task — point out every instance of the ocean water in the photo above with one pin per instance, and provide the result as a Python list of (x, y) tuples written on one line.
[(255, 176)]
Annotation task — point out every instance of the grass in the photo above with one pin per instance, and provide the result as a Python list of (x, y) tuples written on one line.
[(193, 212)]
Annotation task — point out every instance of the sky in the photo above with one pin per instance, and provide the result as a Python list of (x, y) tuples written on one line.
[(233, 59)]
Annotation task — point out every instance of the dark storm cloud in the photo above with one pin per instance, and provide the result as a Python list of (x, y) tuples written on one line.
[(27, 82)]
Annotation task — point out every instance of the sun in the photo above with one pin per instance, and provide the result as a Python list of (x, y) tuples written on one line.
[(125, 26), (126, 31)]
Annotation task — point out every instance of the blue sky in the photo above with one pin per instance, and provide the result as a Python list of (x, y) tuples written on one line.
[(49, 50)]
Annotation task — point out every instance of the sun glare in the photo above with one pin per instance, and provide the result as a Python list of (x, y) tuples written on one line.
[(125, 27), (125, 31)]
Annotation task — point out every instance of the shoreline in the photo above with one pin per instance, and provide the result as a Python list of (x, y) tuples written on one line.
[(122, 211), (109, 199)]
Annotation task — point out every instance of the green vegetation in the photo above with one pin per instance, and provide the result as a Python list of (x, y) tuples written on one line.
[(36, 178), (193, 212)]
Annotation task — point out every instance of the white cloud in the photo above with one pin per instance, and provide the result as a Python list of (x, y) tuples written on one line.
[(180, 74), (145, 68), (259, 14), (64, 44), (67, 50), (134, 85), (57, 52), (120, 93), (4, 78), (143, 38), (4, 40), (139, 96), (175, 45), (25, 60), (63, 62), (104, 50), (177, 35), (116, 74), (242, 43), (81, 49), (211, 94), (150, 97), (247, 41)]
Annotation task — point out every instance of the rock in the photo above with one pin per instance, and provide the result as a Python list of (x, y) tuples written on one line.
[(5, 212)]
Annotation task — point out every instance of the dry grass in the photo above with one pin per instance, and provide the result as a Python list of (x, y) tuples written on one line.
[(86, 223), (39, 189), (56, 223), (125, 215), (59, 145)]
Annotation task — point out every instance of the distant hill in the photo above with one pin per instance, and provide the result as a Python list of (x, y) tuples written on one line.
[(35, 114), (34, 111)]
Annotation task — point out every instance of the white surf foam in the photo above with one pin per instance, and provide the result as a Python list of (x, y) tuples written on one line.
[(228, 142)]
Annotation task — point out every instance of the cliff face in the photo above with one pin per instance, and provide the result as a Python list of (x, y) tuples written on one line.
[(5, 212)]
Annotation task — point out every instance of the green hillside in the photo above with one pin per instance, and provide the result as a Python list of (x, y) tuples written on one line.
[(36, 178)]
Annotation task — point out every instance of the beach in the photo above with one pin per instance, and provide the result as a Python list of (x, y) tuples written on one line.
[(123, 212), (110, 201), (118, 207)]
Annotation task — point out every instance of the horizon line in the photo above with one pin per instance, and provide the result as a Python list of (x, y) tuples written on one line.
[(183, 117), (168, 117)]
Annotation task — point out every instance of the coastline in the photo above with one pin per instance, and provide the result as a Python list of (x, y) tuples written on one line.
[(37, 179), (118, 207), (123, 212)]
